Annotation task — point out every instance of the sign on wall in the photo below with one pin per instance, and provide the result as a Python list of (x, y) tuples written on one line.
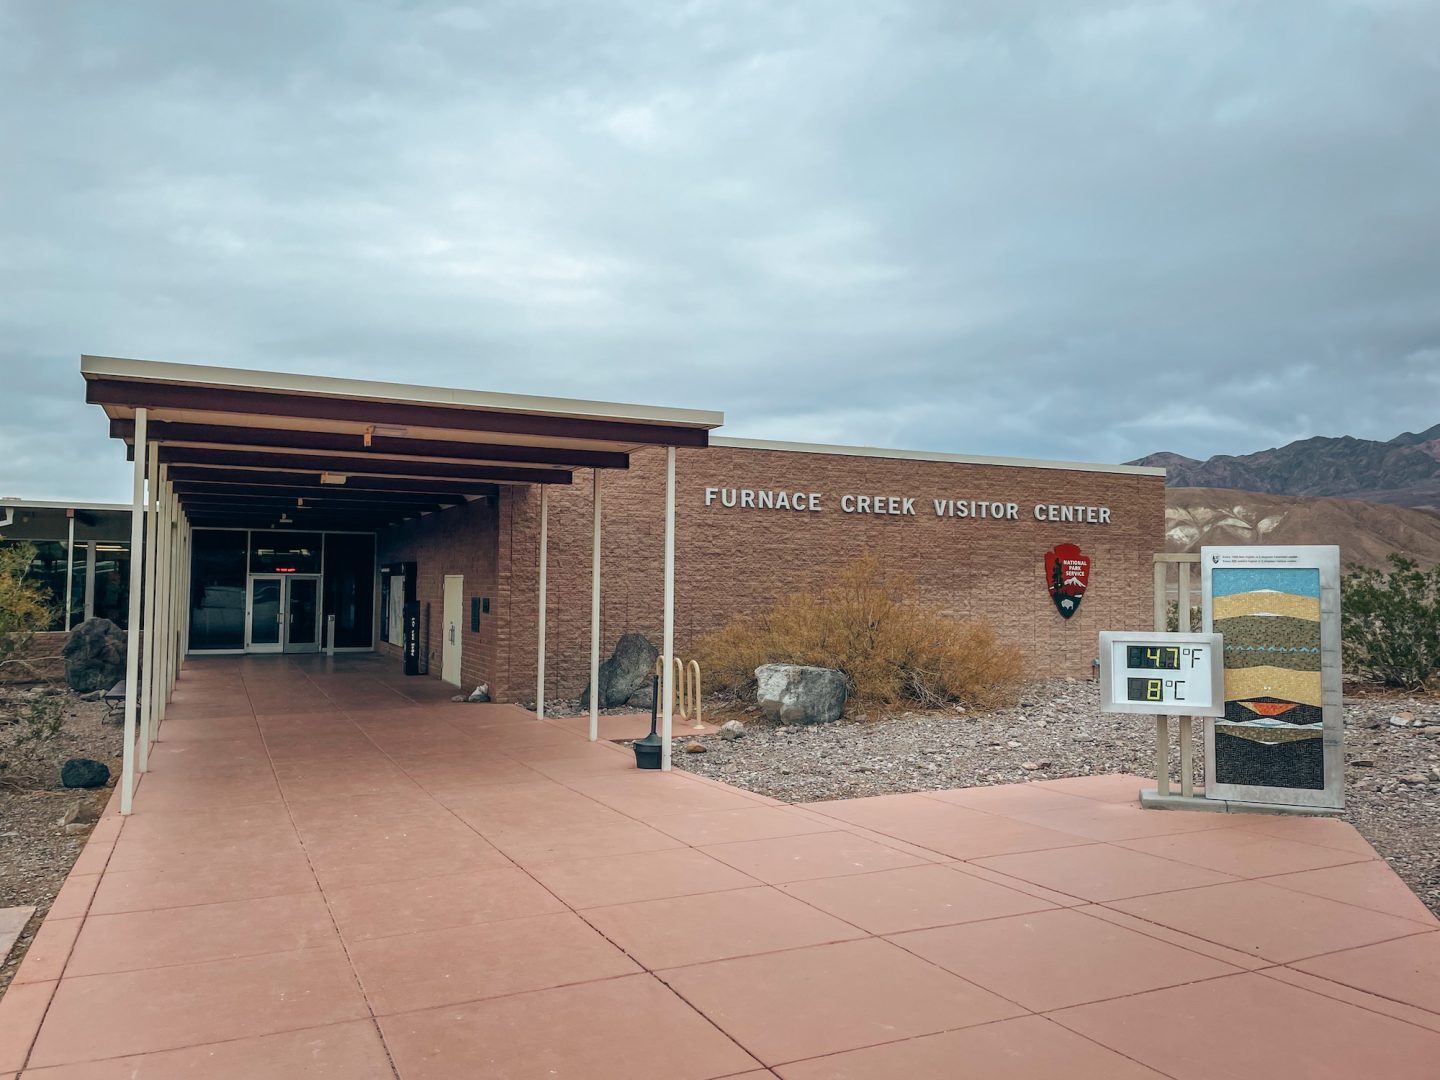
[(888, 505), (1067, 576), (1281, 738)]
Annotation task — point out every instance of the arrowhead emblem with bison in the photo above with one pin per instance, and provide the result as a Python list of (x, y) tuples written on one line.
[(1068, 574)]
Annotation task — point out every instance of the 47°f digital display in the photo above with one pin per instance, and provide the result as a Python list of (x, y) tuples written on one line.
[(1153, 657)]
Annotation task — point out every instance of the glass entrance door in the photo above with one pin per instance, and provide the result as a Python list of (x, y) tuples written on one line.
[(282, 614), (264, 613), (302, 606)]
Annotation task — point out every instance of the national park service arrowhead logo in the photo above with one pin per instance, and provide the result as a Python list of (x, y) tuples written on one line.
[(1068, 572)]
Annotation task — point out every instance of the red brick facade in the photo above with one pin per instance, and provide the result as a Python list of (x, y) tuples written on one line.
[(739, 560)]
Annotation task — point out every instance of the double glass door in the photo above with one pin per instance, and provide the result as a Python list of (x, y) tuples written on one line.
[(282, 613)]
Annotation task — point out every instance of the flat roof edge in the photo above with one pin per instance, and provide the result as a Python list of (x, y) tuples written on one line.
[(116, 367), (924, 455), (47, 504)]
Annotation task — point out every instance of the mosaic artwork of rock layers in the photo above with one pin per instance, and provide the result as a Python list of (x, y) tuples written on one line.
[(1272, 734)]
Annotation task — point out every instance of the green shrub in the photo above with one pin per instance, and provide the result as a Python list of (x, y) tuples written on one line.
[(1391, 621), (25, 606), (871, 626)]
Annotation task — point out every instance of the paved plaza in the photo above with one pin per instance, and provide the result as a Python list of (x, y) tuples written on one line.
[(333, 871)]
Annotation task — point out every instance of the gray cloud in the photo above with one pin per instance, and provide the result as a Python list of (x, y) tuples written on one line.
[(1084, 230)]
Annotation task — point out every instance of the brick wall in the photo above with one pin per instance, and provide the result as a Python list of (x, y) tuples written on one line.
[(739, 561), (462, 540)]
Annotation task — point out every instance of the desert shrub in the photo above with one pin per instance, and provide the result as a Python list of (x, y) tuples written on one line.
[(871, 626), (25, 743), (1391, 623), (25, 606)]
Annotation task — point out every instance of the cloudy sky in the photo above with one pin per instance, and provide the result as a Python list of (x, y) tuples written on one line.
[(1065, 229)]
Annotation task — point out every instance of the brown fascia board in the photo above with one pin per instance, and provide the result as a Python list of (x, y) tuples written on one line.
[(158, 395), (288, 439), (317, 463)]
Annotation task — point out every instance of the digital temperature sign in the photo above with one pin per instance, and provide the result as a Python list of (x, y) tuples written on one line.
[(1153, 658), (1166, 674)]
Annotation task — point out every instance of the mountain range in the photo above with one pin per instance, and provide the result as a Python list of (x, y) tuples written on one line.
[(1403, 471), (1370, 497)]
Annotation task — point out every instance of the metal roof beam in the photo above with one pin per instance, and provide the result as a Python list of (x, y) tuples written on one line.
[(313, 496), (246, 479)]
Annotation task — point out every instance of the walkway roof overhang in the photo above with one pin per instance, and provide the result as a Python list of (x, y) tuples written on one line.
[(244, 448)]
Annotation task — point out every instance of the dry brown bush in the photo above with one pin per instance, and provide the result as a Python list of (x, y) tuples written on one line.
[(872, 626)]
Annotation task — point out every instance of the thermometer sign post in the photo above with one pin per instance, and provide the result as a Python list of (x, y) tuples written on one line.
[(1164, 674)]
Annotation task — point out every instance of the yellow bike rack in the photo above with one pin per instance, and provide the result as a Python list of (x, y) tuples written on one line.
[(685, 700)]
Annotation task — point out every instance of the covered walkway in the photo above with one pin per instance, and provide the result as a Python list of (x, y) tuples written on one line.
[(331, 871)]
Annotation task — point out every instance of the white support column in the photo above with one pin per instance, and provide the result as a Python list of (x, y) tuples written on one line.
[(90, 580), (147, 662), (185, 590), (132, 635), (595, 611), (166, 617), (667, 688), (70, 570), (177, 610), (172, 656), (162, 600), (540, 611)]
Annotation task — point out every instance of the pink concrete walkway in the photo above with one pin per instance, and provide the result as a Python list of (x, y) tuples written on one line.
[(335, 872)]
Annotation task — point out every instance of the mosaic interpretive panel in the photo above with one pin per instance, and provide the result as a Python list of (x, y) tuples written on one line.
[(1273, 607), (1272, 733)]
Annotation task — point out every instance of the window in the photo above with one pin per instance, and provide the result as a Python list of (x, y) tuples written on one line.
[(350, 588), (217, 589)]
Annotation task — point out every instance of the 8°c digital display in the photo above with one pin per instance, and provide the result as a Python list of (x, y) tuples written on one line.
[(1145, 689), (1152, 658)]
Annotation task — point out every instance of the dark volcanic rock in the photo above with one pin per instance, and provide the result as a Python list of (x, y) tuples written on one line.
[(81, 772), (628, 670), (94, 656)]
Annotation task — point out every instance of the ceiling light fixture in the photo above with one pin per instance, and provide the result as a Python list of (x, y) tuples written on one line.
[(393, 430)]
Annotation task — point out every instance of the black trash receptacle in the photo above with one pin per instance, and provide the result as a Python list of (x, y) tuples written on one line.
[(647, 749)]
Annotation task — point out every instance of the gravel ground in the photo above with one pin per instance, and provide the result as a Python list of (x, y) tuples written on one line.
[(36, 853), (1058, 731)]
